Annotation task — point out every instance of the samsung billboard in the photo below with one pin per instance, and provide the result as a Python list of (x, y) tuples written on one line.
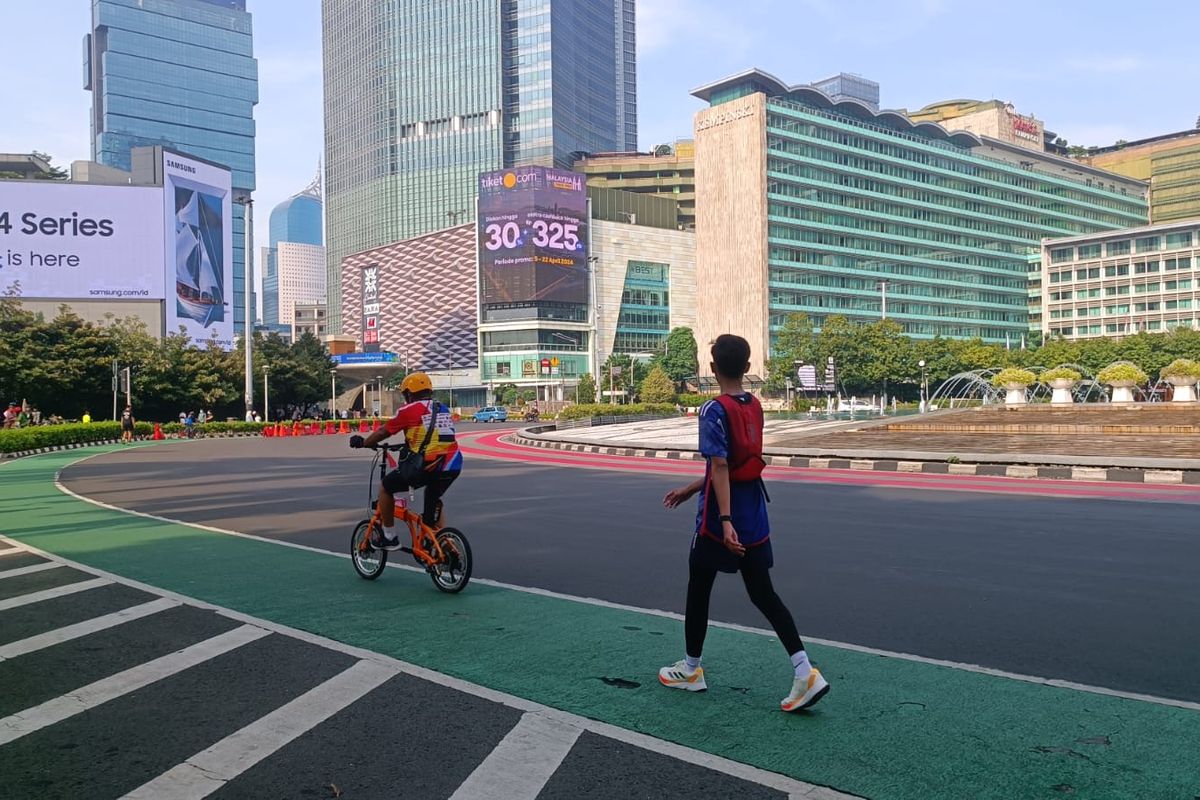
[(532, 236), (80, 242), (198, 211)]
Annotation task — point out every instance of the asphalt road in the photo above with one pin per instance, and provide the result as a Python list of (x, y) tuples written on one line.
[(1100, 592)]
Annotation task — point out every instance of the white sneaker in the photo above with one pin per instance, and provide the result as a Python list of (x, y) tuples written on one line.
[(679, 676), (805, 692)]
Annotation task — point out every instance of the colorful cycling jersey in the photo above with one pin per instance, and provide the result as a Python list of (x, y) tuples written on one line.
[(413, 420), (747, 504)]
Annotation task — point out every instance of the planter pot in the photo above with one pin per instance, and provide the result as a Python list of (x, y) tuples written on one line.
[(1122, 391), (1185, 388), (1015, 394), (1062, 391)]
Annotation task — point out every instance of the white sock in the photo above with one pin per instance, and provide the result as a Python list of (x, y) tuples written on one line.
[(389, 531), (801, 664), (692, 663)]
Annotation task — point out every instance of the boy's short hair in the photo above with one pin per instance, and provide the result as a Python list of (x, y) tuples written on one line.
[(731, 355)]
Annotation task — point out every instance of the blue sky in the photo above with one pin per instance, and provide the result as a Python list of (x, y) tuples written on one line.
[(1093, 72)]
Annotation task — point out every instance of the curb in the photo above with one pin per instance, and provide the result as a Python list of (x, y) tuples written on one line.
[(77, 445), (1156, 477)]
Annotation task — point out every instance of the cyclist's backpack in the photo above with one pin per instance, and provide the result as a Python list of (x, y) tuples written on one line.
[(745, 420), (411, 465)]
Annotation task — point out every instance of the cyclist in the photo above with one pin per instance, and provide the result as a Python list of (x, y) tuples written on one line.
[(443, 461)]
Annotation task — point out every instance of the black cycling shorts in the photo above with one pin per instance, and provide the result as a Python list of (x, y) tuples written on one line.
[(438, 483)]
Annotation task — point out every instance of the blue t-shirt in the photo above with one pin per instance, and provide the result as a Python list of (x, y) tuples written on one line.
[(747, 504)]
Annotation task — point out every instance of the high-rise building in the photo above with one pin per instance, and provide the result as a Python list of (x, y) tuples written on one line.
[(294, 261), (1121, 282), (805, 204), (420, 98), (181, 74), (669, 171), (1170, 162), (845, 86)]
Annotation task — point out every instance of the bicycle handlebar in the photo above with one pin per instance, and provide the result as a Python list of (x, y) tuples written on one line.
[(395, 448)]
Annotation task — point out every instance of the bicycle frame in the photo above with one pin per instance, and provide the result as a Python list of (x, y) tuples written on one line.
[(418, 531)]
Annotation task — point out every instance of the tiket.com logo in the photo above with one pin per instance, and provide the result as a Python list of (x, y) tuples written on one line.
[(510, 180)]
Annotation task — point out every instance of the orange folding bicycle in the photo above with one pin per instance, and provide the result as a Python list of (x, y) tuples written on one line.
[(444, 552)]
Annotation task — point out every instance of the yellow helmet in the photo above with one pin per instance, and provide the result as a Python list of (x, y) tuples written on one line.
[(416, 382)]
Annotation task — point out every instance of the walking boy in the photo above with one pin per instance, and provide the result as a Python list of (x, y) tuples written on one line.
[(732, 531), (127, 423)]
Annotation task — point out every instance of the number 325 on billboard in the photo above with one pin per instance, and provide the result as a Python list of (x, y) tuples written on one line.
[(551, 235)]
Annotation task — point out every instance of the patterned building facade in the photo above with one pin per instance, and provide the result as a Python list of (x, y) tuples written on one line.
[(427, 312)]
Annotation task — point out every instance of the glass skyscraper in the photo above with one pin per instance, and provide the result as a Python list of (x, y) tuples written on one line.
[(421, 97), (181, 74), (296, 220)]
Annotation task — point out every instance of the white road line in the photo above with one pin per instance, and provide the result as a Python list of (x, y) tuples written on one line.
[(524, 761), (50, 594), (210, 769), (69, 632), (31, 569), (794, 788), (11, 551), (15, 726), (654, 612)]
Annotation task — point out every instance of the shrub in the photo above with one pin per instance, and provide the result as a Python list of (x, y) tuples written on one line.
[(14, 440), (1013, 375), (585, 410), (1121, 371), (694, 400), (1181, 368), (1059, 374)]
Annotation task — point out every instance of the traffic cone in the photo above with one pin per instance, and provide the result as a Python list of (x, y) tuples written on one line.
[(295, 429), (330, 427), (378, 425), (344, 428), (267, 431), (158, 434), (362, 427)]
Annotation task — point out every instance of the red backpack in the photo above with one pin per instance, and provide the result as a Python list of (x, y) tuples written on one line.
[(746, 461)]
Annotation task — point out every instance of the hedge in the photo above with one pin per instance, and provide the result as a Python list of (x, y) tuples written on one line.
[(15, 440), (585, 410), (694, 400)]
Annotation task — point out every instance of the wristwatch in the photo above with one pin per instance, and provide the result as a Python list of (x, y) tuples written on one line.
[(725, 518)]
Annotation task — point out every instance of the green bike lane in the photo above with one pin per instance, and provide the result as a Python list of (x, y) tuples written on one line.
[(891, 728)]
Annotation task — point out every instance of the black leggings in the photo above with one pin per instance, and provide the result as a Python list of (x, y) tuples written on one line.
[(762, 594)]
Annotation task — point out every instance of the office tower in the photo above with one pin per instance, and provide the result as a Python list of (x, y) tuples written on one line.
[(294, 261), (181, 74), (420, 98)]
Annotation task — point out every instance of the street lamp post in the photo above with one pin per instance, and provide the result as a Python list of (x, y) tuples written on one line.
[(247, 293), (333, 393), (921, 364), (266, 395), (379, 393)]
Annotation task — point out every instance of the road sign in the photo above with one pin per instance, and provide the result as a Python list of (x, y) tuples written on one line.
[(554, 361), (545, 362)]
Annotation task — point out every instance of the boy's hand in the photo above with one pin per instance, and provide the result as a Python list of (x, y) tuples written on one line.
[(677, 496), (731, 539)]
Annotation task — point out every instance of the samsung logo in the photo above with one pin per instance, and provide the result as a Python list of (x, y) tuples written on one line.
[(181, 166)]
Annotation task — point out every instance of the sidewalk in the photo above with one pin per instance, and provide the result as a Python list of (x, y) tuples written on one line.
[(1036, 444), (892, 729)]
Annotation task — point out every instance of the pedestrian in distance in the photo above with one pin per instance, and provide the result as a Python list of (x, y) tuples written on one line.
[(127, 423), (189, 425), (732, 529), (86, 419), (202, 417)]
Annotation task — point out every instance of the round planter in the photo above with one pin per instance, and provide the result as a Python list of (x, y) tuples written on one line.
[(1185, 388), (1015, 394), (1062, 391), (1122, 391)]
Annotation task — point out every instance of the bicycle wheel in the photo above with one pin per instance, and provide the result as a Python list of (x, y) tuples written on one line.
[(368, 561), (454, 571)]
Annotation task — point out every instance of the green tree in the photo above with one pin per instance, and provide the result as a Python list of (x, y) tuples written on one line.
[(657, 387), (506, 394), (680, 361), (617, 375), (585, 392), (796, 341)]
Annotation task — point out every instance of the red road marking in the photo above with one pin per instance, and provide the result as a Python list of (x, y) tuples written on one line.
[(489, 445)]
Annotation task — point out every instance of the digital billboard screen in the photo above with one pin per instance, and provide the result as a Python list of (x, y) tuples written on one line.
[(532, 236), (80, 242), (198, 210)]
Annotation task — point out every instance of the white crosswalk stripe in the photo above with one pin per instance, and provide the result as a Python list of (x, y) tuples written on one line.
[(29, 570), (523, 762), (50, 594), (25, 722), (209, 770), (69, 632)]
